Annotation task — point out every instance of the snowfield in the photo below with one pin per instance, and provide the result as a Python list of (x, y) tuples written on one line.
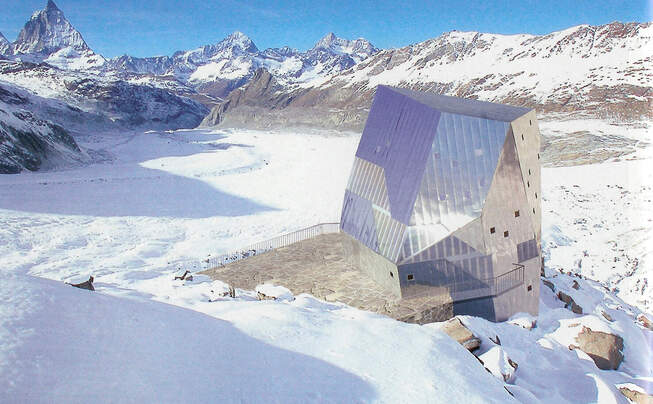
[(158, 201)]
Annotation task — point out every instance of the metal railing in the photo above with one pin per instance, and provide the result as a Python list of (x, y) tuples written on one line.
[(267, 245), (470, 289)]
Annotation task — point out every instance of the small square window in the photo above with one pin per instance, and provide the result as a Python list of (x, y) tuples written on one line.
[(529, 288), (529, 171), (536, 195), (506, 234), (410, 277), (522, 136), (516, 213), (538, 156), (530, 122), (533, 210), (492, 230), (528, 183), (392, 275)]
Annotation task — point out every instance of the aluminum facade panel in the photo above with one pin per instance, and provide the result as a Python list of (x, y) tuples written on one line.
[(367, 180), (398, 135), (357, 220), (457, 177), (465, 106)]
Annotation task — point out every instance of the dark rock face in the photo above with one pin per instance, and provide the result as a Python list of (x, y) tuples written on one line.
[(570, 303), (109, 104), (261, 93), (604, 349), (26, 142), (88, 285)]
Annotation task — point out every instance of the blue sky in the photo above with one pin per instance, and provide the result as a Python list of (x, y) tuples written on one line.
[(148, 28)]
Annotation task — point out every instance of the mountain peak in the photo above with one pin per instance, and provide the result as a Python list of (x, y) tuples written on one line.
[(47, 32), (326, 41), (51, 6), (357, 49), (239, 40)]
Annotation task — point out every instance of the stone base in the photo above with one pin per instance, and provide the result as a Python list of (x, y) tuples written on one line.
[(323, 267)]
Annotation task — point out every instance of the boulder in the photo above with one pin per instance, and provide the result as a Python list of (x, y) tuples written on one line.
[(549, 284), (635, 393), (497, 362), (88, 285), (184, 276), (645, 321), (570, 303), (456, 330), (606, 316), (604, 348), (576, 285)]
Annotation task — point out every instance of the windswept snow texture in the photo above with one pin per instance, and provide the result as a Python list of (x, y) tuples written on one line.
[(61, 344), (162, 199)]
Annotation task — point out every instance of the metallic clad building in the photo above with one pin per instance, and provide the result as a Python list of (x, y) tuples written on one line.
[(447, 191)]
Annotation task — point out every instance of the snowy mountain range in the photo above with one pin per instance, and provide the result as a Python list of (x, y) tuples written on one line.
[(588, 71), (219, 68), (51, 61), (596, 71)]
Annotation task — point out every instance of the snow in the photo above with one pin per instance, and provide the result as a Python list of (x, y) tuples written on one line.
[(112, 349), (598, 222), (547, 369), (498, 363), (276, 292), (163, 199), (504, 66)]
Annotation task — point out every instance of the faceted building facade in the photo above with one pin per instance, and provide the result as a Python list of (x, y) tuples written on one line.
[(446, 192)]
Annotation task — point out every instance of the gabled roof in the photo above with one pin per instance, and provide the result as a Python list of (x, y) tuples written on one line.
[(464, 106)]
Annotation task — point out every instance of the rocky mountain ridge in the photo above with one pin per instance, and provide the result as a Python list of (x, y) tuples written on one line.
[(595, 71), (218, 69)]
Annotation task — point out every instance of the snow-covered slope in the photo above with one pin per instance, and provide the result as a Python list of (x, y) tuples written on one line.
[(62, 344), (170, 197), (112, 102), (49, 37)]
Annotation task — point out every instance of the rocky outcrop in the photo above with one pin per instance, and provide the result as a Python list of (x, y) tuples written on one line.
[(635, 394), (28, 142), (570, 303), (456, 330), (645, 321), (549, 285), (88, 284), (84, 102), (253, 103), (605, 349)]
